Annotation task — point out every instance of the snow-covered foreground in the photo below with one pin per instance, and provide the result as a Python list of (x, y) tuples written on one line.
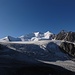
[(45, 51)]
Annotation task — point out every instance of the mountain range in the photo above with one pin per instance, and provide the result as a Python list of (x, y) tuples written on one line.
[(38, 54), (36, 36)]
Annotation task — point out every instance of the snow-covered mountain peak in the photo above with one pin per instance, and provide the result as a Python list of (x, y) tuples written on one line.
[(48, 34), (36, 36), (43, 36)]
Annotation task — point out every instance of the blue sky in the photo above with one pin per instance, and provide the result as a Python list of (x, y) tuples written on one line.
[(18, 17)]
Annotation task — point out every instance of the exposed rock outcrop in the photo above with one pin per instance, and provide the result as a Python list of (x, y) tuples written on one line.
[(68, 48), (67, 36), (61, 35), (70, 36)]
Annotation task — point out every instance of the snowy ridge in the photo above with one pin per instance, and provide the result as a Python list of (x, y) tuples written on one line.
[(36, 36), (9, 38)]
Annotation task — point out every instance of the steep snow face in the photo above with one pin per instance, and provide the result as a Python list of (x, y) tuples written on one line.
[(48, 35), (38, 34)]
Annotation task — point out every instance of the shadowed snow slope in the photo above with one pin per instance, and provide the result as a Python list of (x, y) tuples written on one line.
[(35, 52)]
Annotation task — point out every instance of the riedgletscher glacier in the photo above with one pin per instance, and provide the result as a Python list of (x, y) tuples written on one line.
[(38, 54)]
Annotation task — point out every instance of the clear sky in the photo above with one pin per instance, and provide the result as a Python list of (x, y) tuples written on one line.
[(18, 17)]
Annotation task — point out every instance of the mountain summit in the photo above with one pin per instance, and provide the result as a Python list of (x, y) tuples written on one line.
[(36, 36)]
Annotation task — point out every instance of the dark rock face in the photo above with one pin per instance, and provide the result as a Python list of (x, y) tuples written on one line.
[(70, 36), (61, 35), (68, 48), (67, 36)]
